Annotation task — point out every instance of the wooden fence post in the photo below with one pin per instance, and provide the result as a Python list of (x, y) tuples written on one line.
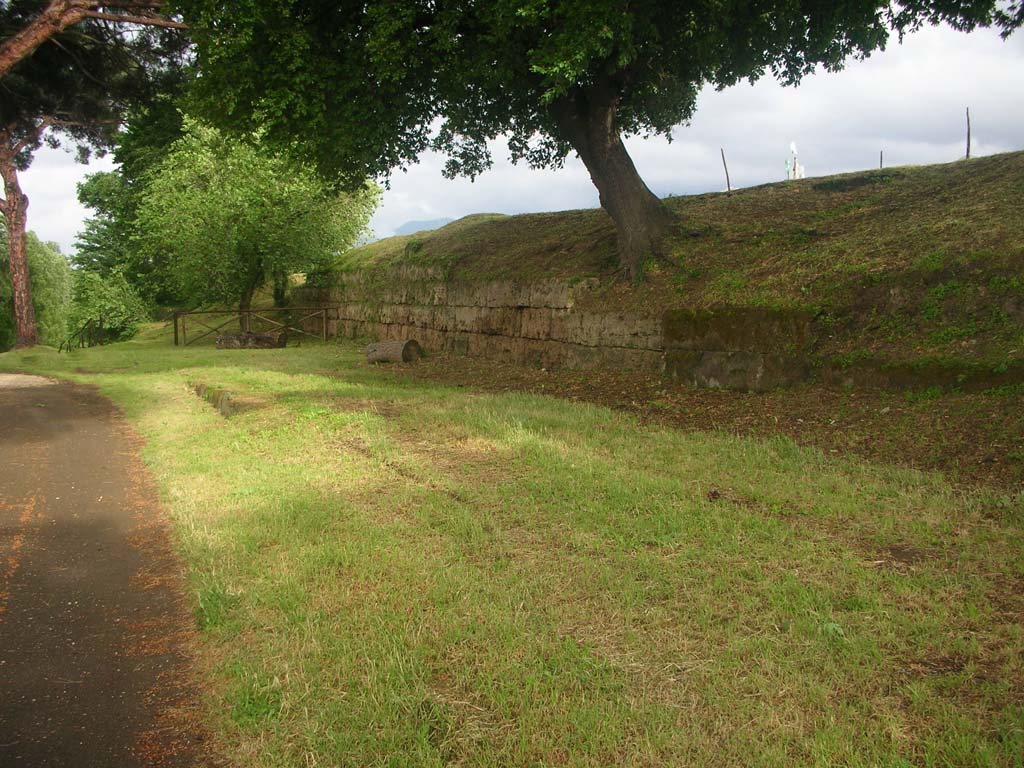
[(968, 133)]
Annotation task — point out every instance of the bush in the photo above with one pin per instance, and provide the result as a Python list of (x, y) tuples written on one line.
[(110, 300), (50, 277)]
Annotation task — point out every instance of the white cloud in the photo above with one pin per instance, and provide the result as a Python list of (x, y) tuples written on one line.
[(908, 101), (54, 212)]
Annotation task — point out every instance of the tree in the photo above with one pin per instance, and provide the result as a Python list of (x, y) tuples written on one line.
[(28, 25), (228, 216), (365, 87), (51, 291), (108, 301), (107, 242), (72, 89)]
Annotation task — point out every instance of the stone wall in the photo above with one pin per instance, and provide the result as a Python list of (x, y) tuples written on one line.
[(552, 323), (541, 323)]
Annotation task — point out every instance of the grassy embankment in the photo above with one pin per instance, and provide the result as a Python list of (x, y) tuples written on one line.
[(391, 572), (903, 264)]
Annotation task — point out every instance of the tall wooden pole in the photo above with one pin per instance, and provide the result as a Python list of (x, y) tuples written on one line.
[(968, 133)]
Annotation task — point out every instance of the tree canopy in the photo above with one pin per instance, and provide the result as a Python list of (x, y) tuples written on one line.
[(365, 87), (107, 241), (227, 215)]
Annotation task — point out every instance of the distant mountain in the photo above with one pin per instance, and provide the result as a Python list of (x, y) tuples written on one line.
[(421, 226)]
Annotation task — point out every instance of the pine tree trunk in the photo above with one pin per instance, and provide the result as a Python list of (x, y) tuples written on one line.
[(586, 119), (15, 211)]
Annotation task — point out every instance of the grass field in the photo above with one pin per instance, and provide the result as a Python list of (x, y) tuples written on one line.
[(391, 572)]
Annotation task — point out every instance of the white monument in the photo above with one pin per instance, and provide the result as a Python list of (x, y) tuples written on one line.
[(794, 170)]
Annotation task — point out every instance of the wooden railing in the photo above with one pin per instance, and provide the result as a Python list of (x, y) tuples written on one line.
[(205, 325), (89, 335)]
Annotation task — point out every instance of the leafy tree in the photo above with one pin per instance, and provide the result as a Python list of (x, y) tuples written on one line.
[(109, 300), (103, 245), (366, 86), (228, 216), (107, 242), (51, 291), (70, 86)]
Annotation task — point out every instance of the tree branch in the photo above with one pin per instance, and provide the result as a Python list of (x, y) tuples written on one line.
[(61, 14), (32, 137), (145, 20)]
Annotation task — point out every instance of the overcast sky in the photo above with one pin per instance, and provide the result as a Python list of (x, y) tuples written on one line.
[(908, 101)]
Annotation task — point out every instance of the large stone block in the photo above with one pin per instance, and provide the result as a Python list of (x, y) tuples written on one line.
[(499, 321), (748, 371), (465, 295), (465, 318), (500, 293), (739, 329), (535, 322), (583, 328), (551, 293), (438, 293)]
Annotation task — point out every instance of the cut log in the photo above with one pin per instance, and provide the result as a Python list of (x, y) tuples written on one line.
[(272, 340), (408, 351)]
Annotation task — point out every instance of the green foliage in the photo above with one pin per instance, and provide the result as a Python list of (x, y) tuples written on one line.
[(106, 243), (361, 86), (50, 278), (109, 301), (226, 215), (86, 76)]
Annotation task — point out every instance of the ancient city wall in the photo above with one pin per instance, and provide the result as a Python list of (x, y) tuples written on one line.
[(542, 323), (558, 323)]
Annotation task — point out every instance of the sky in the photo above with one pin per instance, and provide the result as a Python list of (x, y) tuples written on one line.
[(908, 101)]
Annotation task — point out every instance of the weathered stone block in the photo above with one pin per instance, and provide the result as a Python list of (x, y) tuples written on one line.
[(739, 329), (535, 322), (438, 293), (550, 293), (499, 321), (465, 318), (750, 371), (500, 293)]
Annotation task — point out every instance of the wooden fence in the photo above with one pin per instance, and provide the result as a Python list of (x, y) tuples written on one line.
[(206, 323)]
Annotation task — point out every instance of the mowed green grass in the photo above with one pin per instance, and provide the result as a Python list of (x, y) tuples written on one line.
[(390, 573)]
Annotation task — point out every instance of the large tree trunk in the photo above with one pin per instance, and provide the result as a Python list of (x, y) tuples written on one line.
[(586, 118), (15, 209)]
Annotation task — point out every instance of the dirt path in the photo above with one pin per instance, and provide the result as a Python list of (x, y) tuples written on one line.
[(93, 630)]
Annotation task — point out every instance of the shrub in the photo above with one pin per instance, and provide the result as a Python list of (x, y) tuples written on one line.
[(110, 300)]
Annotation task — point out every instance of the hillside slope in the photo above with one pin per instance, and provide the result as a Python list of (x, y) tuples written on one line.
[(901, 263)]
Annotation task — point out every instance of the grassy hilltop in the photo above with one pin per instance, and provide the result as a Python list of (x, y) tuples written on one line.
[(904, 262)]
